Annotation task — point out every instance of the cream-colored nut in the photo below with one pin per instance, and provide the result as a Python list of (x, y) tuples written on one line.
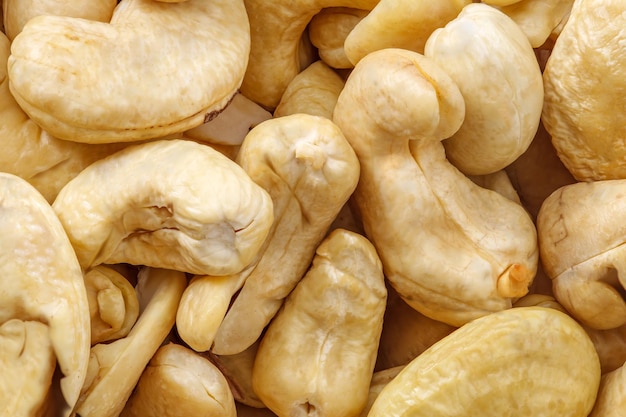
[(380, 379), (470, 251), (179, 382), (405, 24), (327, 330), (610, 345), (538, 172), (313, 91), (128, 91), (29, 152), (41, 279), (538, 18), (492, 62), (173, 204), (585, 91), (328, 31), (309, 169), (499, 182), (611, 398), (115, 368), (233, 123), (113, 304), (28, 362), (275, 32), (581, 238), (17, 12), (535, 360), (500, 2)]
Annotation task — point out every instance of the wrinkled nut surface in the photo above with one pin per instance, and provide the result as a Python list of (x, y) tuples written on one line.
[(179, 382), (128, 91), (309, 169), (470, 251), (405, 24), (172, 204), (535, 360), (328, 331), (490, 59), (41, 281), (584, 116), (581, 238)]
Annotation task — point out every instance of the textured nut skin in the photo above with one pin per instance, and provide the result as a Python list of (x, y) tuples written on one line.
[(317, 356), (582, 232), (328, 31), (492, 62), (529, 361), (128, 91), (611, 399), (173, 204), (585, 91)]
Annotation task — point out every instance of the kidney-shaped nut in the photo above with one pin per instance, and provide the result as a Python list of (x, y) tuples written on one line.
[(585, 91), (179, 382), (173, 204), (582, 236), (41, 280), (328, 330), (454, 251), (128, 91), (534, 359), (492, 62)]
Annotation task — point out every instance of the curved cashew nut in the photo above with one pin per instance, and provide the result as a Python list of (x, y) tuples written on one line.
[(313, 91), (115, 368), (274, 53), (113, 304), (308, 167), (453, 250), (112, 99), (17, 12), (328, 329), (490, 59), (179, 382), (173, 204), (405, 24), (579, 112), (582, 241), (42, 280)]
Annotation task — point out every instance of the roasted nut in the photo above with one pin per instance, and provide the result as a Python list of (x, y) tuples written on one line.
[(128, 91), (535, 360), (470, 251), (173, 204), (328, 331)]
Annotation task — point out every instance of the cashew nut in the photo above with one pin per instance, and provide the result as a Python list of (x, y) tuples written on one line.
[(328, 330), (585, 91), (492, 62), (128, 91), (611, 399), (173, 204), (453, 250), (41, 282)]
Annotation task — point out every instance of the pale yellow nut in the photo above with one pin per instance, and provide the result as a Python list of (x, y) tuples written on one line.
[(611, 398), (585, 91), (492, 62), (581, 238), (499, 182), (173, 204), (41, 280), (28, 362), (380, 379), (313, 91), (405, 24), (276, 29), (450, 261), (17, 12), (180, 383), (128, 92), (328, 331), (328, 31), (309, 169), (530, 361), (116, 367)]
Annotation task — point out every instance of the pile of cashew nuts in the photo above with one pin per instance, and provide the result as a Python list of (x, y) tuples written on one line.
[(342, 208)]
